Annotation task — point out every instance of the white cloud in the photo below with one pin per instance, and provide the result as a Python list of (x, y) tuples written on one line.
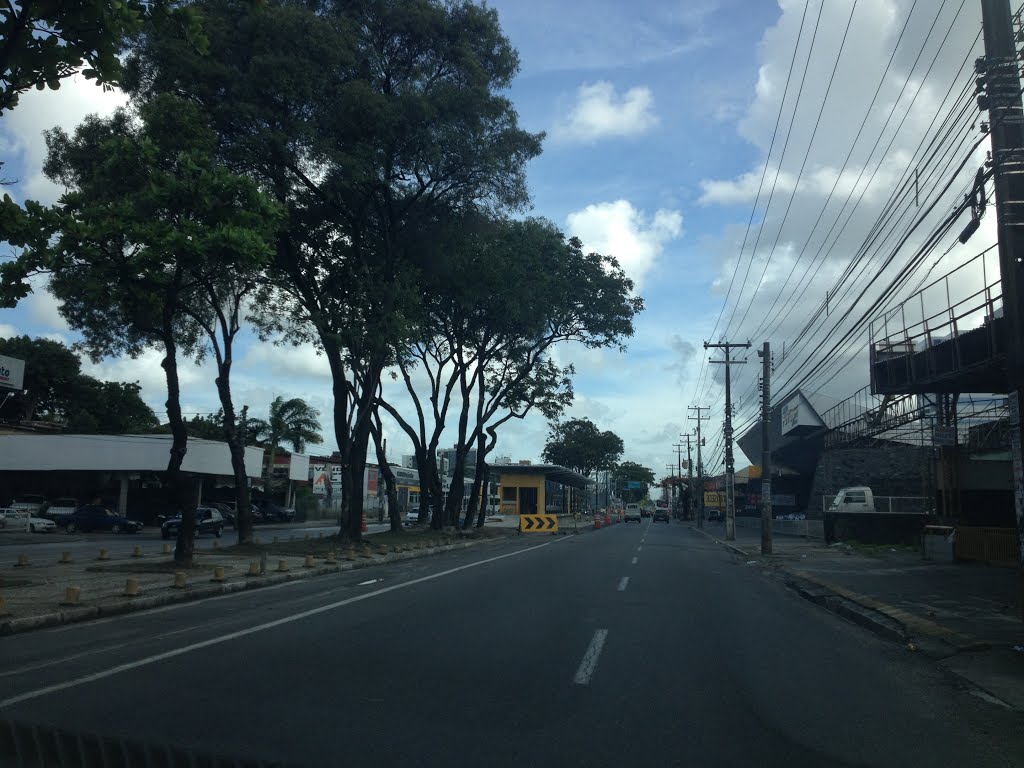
[(300, 360), (620, 230), (8, 331), (600, 113), (21, 131)]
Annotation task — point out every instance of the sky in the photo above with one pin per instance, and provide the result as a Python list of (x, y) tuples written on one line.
[(709, 145)]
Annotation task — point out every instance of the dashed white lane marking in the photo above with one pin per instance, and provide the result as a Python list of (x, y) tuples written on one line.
[(622, 583), (639, 549), (635, 559), (75, 682), (368, 581), (589, 662)]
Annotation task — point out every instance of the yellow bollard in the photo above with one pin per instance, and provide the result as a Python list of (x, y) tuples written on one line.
[(218, 573), (331, 559), (131, 588), (104, 555), (256, 540), (72, 596), (167, 549), (137, 552), (282, 566), (254, 568), (309, 562), (65, 557), (179, 580), (22, 561)]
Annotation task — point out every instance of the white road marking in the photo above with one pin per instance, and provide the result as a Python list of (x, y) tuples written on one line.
[(369, 581), (622, 583), (589, 662), (635, 559), (639, 549), (73, 683)]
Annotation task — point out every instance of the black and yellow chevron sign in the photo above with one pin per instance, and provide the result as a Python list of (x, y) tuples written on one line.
[(538, 523)]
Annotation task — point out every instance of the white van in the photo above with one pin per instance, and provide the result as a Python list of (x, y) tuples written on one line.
[(633, 513)]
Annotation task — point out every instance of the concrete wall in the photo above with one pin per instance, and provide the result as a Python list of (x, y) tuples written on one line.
[(809, 529), (888, 469)]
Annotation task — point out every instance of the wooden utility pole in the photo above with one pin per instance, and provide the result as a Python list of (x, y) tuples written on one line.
[(679, 475), (689, 477), (700, 464), (730, 464), (766, 449), (999, 83)]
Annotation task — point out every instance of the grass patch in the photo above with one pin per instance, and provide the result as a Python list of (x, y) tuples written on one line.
[(880, 550), (154, 566), (379, 543)]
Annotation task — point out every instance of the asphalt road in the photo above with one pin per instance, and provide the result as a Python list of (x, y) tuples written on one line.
[(41, 545), (640, 645)]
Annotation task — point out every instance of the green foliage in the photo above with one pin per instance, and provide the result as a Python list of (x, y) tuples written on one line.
[(579, 445), (628, 471), (293, 422), (46, 40), (56, 390)]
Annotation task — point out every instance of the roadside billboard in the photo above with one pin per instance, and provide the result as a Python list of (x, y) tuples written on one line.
[(12, 373)]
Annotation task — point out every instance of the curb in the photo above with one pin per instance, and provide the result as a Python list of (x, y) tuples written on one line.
[(13, 626), (883, 619)]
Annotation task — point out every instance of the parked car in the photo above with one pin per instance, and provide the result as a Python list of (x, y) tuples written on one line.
[(61, 510), (29, 502), (412, 517), (226, 511), (208, 520), (96, 517), (19, 520), (272, 512), (714, 516)]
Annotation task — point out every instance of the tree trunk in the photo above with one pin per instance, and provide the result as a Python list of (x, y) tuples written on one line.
[(481, 459), (181, 497), (477, 507), (243, 510), (391, 490)]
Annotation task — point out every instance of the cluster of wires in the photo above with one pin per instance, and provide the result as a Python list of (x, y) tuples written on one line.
[(895, 250)]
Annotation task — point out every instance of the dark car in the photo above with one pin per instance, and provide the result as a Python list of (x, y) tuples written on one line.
[(661, 515), (208, 520), (272, 512), (715, 516), (226, 511), (96, 517)]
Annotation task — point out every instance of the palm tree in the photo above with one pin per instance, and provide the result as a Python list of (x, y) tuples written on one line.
[(294, 422)]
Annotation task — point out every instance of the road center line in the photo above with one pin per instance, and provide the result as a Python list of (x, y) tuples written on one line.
[(622, 583), (589, 662), (75, 682), (639, 549), (635, 559)]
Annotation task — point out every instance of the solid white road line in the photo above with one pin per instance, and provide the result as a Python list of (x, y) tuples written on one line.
[(589, 662), (622, 583), (635, 559), (257, 628)]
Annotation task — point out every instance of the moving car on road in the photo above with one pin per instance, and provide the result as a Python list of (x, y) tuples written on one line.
[(661, 515), (208, 520), (96, 517), (633, 513)]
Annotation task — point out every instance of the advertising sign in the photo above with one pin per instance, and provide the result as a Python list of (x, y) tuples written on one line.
[(12, 373), (320, 479), (633, 485)]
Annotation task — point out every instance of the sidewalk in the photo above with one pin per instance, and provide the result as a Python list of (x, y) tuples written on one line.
[(963, 614)]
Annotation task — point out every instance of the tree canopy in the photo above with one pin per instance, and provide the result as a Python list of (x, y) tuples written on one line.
[(580, 445), (626, 472)]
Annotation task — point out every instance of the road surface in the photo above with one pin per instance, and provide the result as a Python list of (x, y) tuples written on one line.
[(643, 645)]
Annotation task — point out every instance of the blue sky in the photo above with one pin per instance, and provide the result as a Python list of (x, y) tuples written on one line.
[(659, 118)]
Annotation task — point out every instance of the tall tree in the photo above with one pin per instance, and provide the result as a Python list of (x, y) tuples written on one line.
[(149, 219), (580, 445), (628, 472), (110, 407), (361, 119), (294, 422)]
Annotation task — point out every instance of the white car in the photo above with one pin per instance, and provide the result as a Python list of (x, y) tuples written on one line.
[(18, 520)]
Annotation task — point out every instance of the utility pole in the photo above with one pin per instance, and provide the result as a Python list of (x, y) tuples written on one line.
[(700, 464), (730, 464), (689, 478), (679, 476), (766, 449), (1000, 83), (672, 487)]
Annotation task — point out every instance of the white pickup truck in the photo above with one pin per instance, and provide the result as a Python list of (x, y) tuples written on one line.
[(859, 498)]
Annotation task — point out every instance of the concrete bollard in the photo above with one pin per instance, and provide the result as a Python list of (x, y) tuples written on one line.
[(72, 596), (65, 557), (254, 569), (282, 566), (263, 562), (256, 540), (104, 555), (331, 558), (167, 549), (22, 561), (179, 579), (131, 588), (137, 552), (309, 562), (218, 573)]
